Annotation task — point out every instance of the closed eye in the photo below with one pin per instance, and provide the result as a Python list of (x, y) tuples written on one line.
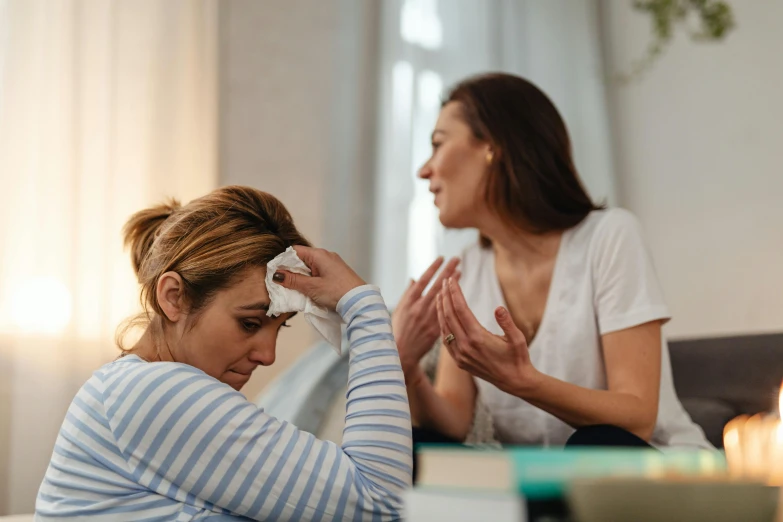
[(253, 326), (250, 326)]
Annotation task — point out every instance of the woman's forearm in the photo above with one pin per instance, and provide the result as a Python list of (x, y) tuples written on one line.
[(433, 411), (578, 406)]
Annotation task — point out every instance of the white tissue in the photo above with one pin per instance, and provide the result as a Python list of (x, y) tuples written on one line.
[(284, 300)]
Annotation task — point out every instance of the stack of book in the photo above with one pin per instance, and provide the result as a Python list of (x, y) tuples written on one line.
[(458, 484)]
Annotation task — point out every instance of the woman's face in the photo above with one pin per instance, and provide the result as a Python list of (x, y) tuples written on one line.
[(232, 335), (456, 169)]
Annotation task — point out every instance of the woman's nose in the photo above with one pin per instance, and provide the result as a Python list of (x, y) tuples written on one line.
[(264, 354), (425, 172)]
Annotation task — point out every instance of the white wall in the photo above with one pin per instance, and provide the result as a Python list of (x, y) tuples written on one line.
[(296, 105), (699, 159)]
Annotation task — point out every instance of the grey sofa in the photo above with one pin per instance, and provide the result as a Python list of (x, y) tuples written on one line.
[(720, 378), (716, 380)]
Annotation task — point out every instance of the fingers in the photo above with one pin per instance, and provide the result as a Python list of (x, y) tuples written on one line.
[(513, 334), (306, 254), (406, 295), (300, 283), (462, 311), (444, 331), (441, 319), (453, 324), (448, 271), (426, 277), (331, 277)]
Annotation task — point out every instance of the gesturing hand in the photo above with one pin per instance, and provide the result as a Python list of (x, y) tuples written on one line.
[(501, 360), (415, 322)]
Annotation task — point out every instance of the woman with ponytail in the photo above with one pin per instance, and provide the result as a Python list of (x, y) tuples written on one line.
[(163, 433)]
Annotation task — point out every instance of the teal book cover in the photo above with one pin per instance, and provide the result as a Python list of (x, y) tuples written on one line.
[(545, 473)]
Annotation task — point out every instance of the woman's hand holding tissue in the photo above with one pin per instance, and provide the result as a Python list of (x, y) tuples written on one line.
[(501, 360), (331, 277), (415, 320)]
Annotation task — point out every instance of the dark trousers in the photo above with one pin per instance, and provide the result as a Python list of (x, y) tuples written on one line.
[(606, 435)]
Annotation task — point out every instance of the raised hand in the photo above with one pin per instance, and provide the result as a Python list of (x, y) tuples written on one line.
[(415, 321), (501, 360)]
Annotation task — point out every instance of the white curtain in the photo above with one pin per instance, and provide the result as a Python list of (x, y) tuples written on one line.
[(106, 106), (426, 46)]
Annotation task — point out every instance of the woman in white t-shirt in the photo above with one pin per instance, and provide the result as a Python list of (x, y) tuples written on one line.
[(556, 321)]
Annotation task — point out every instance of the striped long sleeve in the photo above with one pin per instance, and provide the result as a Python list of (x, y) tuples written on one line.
[(164, 441)]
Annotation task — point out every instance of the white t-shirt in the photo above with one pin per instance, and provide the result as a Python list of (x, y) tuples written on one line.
[(603, 281)]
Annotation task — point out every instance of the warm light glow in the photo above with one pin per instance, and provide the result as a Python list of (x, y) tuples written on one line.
[(754, 446), (780, 401), (780, 424), (41, 305), (731, 439)]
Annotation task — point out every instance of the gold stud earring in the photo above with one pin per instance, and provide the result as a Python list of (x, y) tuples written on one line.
[(490, 157)]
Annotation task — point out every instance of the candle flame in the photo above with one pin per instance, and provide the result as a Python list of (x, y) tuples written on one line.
[(731, 438)]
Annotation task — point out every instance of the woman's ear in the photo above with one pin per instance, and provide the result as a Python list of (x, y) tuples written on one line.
[(170, 294)]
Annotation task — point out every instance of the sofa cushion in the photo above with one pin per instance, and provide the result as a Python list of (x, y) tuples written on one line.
[(743, 371), (712, 415)]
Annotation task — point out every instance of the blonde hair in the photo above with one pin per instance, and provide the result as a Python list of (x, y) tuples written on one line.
[(208, 242)]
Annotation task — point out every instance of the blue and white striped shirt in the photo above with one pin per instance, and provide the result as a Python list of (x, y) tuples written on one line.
[(165, 441)]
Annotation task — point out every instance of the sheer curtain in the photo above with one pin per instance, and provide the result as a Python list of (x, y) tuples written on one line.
[(105, 107), (427, 45)]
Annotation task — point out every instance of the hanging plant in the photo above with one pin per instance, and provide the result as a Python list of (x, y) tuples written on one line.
[(715, 20)]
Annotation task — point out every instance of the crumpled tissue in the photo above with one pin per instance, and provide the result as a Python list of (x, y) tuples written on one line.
[(284, 300)]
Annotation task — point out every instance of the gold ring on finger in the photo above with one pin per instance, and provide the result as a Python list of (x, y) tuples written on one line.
[(449, 338)]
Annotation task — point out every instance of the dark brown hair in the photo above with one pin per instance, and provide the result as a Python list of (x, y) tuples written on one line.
[(532, 183), (208, 242)]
